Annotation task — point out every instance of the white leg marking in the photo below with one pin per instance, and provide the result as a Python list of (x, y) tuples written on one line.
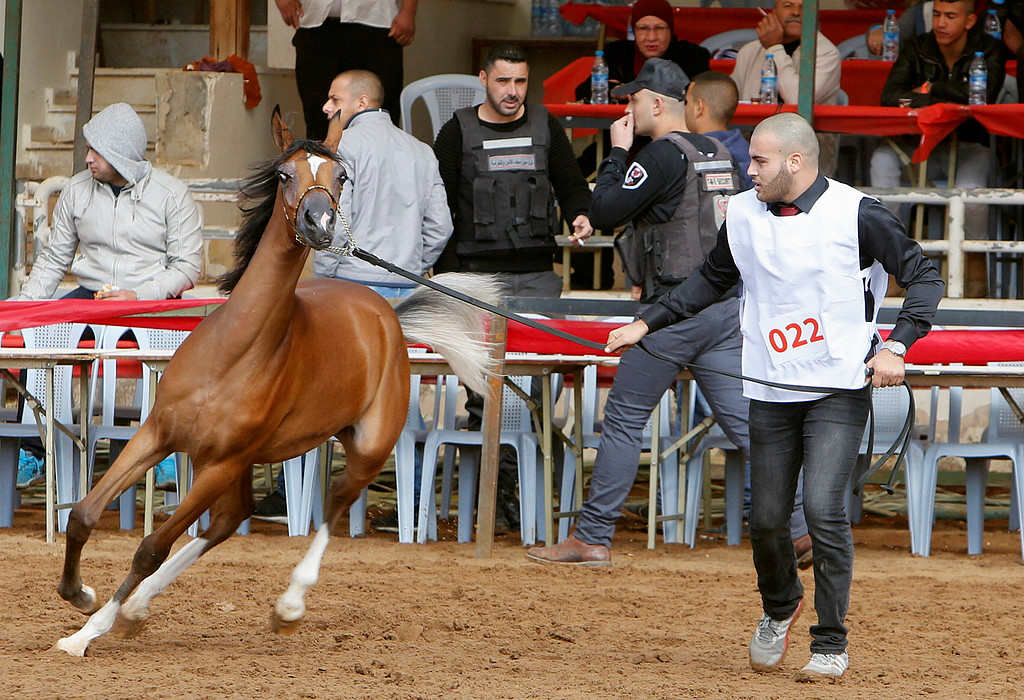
[(290, 606), (96, 626), (138, 603)]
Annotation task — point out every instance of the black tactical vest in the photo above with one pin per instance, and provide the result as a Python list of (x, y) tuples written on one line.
[(660, 256), (505, 198)]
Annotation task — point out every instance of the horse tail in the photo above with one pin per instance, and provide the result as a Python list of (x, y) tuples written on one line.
[(454, 328)]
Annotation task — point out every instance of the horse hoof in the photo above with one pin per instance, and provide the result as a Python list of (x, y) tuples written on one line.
[(71, 646), (85, 602), (281, 626), (126, 628)]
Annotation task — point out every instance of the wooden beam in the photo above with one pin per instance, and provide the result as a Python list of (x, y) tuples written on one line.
[(86, 78), (229, 29), (808, 60), (9, 138), (488, 487)]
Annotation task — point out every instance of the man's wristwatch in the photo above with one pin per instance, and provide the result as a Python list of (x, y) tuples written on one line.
[(895, 347)]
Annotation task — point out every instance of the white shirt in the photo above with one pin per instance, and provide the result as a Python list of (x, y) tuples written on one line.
[(750, 59), (373, 13)]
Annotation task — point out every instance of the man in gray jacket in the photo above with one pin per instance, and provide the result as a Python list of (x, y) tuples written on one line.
[(394, 199), (136, 229)]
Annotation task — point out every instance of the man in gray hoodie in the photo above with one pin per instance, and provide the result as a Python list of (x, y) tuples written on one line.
[(128, 230)]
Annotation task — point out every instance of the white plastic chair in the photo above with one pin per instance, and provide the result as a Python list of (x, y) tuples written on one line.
[(146, 339), (1004, 439), (729, 41), (516, 432), (855, 47), (303, 477), (442, 95), (890, 406), (58, 336), (735, 473)]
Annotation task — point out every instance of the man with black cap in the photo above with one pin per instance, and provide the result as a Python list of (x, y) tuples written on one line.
[(674, 192)]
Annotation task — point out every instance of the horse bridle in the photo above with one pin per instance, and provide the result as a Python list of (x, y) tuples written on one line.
[(351, 243)]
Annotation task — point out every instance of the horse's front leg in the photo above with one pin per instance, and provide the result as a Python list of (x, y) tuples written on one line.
[(226, 514), (151, 555), (141, 453)]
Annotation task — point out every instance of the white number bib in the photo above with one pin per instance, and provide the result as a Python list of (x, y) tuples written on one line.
[(794, 336)]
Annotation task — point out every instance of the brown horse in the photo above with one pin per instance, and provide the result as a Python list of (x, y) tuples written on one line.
[(275, 371)]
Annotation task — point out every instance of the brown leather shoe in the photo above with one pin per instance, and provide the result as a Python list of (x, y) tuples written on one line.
[(572, 551), (804, 555)]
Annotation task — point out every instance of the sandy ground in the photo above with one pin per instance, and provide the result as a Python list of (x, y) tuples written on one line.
[(412, 621)]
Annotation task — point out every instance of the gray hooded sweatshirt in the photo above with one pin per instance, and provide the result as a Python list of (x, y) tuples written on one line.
[(147, 238)]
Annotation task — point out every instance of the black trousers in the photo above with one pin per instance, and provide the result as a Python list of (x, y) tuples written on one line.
[(335, 47)]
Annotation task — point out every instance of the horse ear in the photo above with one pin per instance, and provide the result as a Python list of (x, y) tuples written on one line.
[(282, 134), (334, 129)]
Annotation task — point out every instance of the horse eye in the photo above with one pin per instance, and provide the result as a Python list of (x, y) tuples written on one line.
[(283, 176)]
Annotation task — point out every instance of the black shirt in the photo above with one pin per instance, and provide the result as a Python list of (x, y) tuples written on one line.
[(571, 188), (881, 237), (657, 180)]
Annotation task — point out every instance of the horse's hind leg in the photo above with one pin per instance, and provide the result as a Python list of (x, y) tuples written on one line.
[(141, 453), (364, 457), (226, 514), (209, 484)]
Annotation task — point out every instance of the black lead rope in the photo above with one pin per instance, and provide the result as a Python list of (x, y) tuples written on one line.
[(902, 442)]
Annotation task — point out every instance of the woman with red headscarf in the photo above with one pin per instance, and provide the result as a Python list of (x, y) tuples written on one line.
[(654, 28)]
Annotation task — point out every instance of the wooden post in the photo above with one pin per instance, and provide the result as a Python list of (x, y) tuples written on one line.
[(86, 78), (9, 139), (229, 29), (808, 61), (489, 449)]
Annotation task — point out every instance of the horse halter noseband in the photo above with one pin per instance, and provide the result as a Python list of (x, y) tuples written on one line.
[(334, 203)]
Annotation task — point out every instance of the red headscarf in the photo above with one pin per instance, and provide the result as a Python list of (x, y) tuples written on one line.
[(650, 8), (653, 8)]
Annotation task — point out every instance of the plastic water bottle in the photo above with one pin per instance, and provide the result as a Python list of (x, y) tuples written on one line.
[(978, 80), (599, 80), (992, 26), (552, 24), (890, 37), (769, 81), (537, 18)]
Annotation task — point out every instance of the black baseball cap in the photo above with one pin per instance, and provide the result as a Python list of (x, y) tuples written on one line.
[(660, 76)]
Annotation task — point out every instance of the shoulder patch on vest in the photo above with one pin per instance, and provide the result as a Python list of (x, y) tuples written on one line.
[(635, 176)]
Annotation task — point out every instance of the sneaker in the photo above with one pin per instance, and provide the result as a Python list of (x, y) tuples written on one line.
[(166, 475), (824, 667), (385, 522), (30, 470), (273, 507), (768, 645)]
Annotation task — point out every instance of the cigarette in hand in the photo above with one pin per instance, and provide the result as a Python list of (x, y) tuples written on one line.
[(763, 13)]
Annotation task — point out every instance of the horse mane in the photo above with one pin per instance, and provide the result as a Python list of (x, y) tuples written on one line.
[(257, 197)]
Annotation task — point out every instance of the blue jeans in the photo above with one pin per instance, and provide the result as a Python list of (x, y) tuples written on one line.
[(823, 436)]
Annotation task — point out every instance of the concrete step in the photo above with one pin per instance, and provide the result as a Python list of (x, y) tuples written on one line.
[(136, 86)]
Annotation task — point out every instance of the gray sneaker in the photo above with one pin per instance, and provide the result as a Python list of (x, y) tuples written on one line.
[(768, 645), (824, 667)]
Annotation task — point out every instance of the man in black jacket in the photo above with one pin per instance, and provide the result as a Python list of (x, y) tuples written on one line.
[(934, 68), (504, 164)]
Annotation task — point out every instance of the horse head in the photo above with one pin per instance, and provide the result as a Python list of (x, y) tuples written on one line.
[(310, 178)]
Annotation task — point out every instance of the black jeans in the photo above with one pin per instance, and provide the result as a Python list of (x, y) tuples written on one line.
[(335, 47), (823, 436)]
